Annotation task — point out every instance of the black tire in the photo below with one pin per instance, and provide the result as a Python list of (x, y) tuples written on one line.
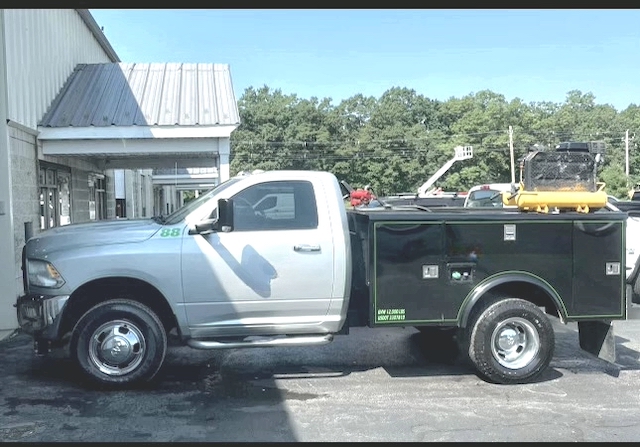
[(527, 347), (119, 343)]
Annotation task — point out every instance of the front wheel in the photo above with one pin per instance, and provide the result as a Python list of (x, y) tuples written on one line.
[(119, 343), (511, 341)]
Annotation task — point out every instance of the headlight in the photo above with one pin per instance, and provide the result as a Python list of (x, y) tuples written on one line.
[(43, 274)]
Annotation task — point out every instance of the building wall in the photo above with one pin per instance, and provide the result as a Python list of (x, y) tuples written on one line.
[(24, 172), (41, 49), (43, 46), (138, 193), (25, 154), (111, 194), (80, 170), (146, 192), (131, 186), (8, 291)]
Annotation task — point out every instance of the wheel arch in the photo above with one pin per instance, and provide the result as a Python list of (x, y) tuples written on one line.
[(517, 284), (99, 290)]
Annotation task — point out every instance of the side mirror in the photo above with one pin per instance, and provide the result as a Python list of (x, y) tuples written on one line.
[(224, 221), (204, 227), (225, 215)]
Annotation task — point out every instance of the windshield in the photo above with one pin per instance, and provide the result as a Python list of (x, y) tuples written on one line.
[(183, 212), (485, 197)]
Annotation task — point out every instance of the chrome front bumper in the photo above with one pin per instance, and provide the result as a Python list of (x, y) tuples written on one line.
[(40, 314)]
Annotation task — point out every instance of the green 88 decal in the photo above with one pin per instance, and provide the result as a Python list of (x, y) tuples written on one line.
[(170, 232)]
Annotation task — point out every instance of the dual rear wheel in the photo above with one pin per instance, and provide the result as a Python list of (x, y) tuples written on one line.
[(508, 341)]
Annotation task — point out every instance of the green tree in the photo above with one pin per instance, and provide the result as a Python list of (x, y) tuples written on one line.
[(396, 142)]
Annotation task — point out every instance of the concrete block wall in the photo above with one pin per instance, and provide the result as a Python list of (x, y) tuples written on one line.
[(79, 195), (110, 193), (24, 190)]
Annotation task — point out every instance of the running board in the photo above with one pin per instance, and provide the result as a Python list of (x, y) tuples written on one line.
[(261, 342)]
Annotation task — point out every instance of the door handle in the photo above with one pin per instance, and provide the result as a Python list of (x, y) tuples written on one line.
[(306, 247)]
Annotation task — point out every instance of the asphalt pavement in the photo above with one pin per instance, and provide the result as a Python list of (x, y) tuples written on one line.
[(371, 385)]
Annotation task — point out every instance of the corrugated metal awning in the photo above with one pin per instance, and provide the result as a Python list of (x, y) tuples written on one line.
[(150, 94), (124, 115)]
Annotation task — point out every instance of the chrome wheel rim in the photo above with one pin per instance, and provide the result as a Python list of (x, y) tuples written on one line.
[(515, 342), (117, 347)]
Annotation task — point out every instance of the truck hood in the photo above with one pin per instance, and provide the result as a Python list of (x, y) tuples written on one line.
[(91, 234)]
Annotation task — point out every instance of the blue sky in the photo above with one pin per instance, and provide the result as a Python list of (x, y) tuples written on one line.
[(535, 55)]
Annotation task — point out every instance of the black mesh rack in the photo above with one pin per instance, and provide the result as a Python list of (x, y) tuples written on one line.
[(571, 167)]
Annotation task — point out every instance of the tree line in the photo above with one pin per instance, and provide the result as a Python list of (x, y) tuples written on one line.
[(397, 141)]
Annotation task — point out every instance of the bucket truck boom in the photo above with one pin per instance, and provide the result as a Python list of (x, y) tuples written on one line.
[(461, 153)]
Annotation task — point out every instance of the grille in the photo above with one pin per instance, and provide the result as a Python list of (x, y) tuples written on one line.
[(559, 171)]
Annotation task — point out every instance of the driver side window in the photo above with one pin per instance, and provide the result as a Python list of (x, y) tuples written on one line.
[(279, 205)]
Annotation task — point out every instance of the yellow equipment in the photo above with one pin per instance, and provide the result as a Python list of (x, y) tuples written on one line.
[(543, 201), (564, 180)]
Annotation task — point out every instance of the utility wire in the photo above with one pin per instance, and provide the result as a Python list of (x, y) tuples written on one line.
[(557, 135)]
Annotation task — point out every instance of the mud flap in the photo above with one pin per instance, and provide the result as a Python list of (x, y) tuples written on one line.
[(597, 338), (633, 302)]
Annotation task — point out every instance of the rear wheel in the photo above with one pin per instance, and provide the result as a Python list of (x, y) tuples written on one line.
[(511, 341), (119, 343)]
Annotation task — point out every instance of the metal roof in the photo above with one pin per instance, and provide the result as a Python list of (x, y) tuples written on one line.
[(88, 19), (150, 94)]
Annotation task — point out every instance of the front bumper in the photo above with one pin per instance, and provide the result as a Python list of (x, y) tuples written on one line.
[(40, 315)]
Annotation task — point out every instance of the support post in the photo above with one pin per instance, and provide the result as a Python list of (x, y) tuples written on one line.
[(513, 169)]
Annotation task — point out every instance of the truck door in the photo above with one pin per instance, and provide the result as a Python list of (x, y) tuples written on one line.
[(274, 269)]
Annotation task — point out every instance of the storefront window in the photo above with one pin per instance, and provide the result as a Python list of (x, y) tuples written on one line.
[(97, 202), (55, 196), (64, 193)]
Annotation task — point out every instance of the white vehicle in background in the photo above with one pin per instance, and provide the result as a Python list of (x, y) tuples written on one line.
[(633, 238), (633, 242), (487, 195)]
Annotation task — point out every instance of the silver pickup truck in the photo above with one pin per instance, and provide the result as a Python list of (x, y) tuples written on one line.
[(276, 259)]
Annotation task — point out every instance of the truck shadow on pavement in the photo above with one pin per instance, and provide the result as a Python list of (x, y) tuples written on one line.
[(216, 395), (239, 394), (46, 399), (400, 352)]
